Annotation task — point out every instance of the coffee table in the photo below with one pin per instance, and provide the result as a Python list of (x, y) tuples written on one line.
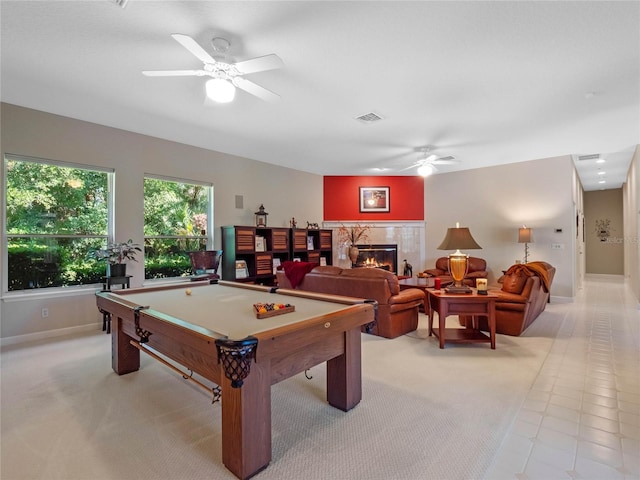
[(472, 304)]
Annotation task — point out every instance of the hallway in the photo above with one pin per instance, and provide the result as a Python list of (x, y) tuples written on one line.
[(583, 411)]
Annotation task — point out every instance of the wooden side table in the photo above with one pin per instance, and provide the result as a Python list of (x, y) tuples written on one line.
[(107, 282), (446, 304)]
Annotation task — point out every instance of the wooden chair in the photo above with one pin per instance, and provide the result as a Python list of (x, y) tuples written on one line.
[(204, 264)]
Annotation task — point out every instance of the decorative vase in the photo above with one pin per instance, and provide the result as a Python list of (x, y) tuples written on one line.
[(117, 270), (353, 254)]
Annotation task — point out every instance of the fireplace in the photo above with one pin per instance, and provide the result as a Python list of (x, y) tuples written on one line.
[(380, 256)]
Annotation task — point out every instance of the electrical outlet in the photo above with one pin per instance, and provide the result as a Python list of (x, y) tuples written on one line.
[(557, 246), (45, 312)]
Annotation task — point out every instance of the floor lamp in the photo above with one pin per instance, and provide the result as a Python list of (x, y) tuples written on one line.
[(456, 239), (524, 236)]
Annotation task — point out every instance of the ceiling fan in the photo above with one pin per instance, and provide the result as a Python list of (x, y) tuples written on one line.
[(427, 162), (224, 76)]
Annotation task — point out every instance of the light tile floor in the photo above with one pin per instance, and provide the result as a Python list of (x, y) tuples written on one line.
[(581, 418)]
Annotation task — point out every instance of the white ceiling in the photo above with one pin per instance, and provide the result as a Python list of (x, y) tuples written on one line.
[(487, 82)]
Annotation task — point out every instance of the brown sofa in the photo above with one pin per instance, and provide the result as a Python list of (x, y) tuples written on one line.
[(477, 269), (397, 312), (523, 296)]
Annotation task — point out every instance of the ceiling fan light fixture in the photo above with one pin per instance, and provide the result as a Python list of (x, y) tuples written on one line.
[(425, 170), (220, 90)]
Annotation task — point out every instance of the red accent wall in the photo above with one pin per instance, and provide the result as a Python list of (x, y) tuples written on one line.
[(342, 198)]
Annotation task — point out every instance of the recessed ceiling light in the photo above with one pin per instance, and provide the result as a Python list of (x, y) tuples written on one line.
[(600, 160), (602, 173), (602, 181)]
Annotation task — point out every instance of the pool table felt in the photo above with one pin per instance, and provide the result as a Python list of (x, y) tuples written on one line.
[(227, 310)]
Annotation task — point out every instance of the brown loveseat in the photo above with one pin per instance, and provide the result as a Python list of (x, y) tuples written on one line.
[(477, 269), (397, 310), (524, 295)]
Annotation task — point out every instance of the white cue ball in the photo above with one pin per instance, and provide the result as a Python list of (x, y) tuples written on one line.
[(188, 291)]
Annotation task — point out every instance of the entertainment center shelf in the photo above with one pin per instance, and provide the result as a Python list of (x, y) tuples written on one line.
[(250, 254)]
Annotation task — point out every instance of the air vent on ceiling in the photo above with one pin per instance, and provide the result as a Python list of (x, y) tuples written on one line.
[(369, 117), (593, 156), (448, 158)]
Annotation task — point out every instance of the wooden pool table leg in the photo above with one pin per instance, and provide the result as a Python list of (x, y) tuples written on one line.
[(125, 358), (246, 422), (344, 374)]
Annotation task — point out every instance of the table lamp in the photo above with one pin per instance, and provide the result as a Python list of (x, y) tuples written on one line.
[(524, 236), (458, 238)]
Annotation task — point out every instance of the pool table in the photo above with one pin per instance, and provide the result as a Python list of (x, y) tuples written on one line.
[(213, 330)]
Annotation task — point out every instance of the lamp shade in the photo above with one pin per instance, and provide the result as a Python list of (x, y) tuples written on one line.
[(458, 238), (220, 90), (524, 235)]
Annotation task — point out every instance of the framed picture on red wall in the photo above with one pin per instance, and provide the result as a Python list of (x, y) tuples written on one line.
[(374, 199)]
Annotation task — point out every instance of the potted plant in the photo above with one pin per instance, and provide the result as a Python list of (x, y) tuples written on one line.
[(116, 254)]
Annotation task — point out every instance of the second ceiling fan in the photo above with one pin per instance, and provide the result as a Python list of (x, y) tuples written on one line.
[(224, 76), (427, 161)]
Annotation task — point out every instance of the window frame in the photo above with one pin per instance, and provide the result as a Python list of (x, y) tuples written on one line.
[(209, 238), (110, 197)]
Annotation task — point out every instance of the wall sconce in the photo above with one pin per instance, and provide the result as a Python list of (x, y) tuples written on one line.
[(524, 236)]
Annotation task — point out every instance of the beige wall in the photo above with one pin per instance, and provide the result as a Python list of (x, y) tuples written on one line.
[(285, 193), (495, 202), (631, 207), (604, 257)]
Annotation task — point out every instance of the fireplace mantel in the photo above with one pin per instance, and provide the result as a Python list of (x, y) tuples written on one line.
[(409, 236), (374, 224)]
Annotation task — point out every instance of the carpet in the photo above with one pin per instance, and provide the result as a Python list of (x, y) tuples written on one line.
[(426, 413)]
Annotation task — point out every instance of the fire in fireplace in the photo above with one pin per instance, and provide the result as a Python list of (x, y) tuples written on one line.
[(380, 256)]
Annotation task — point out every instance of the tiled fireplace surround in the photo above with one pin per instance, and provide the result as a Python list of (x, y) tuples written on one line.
[(409, 236)]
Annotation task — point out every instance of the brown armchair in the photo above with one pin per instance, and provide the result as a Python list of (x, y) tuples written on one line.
[(523, 295), (477, 269)]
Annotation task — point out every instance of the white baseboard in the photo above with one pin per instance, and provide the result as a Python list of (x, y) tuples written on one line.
[(60, 332)]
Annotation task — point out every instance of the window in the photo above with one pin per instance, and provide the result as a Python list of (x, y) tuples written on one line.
[(178, 218), (55, 214)]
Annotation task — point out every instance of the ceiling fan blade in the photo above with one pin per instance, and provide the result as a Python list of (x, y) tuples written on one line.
[(443, 162), (260, 64), (254, 89), (194, 47), (173, 73), (449, 160), (410, 167)]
